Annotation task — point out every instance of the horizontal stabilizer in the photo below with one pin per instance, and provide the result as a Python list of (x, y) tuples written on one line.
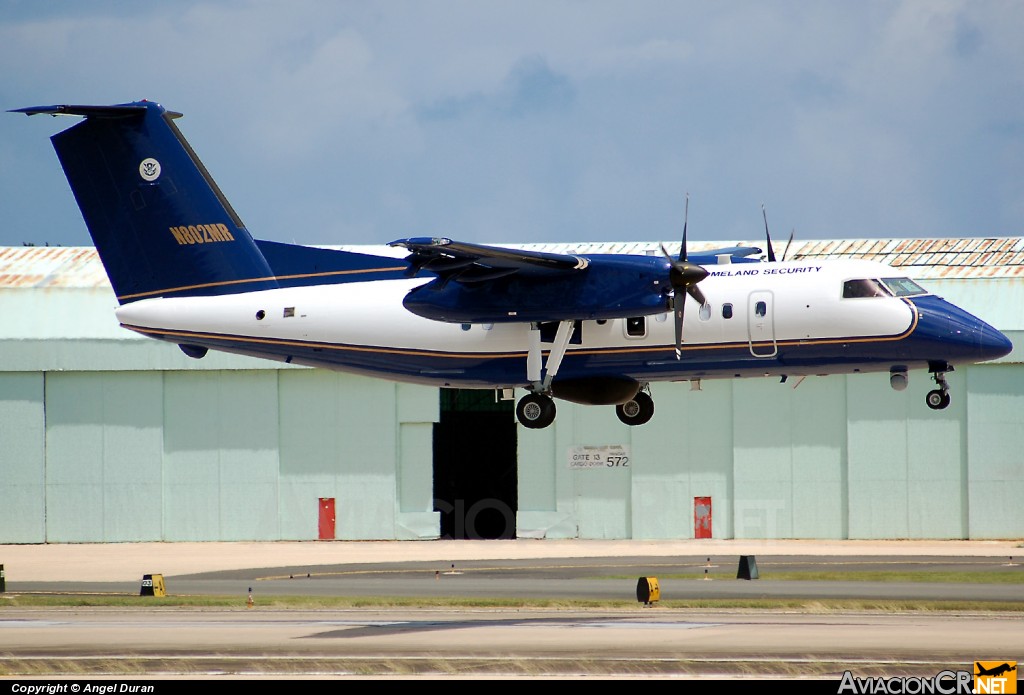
[(109, 111)]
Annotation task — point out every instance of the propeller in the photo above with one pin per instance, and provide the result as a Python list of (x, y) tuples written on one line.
[(684, 277), (785, 252), (767, 236), (768, 239)]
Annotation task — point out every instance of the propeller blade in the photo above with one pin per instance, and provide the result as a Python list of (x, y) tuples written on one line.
[(686, 219), (697, 295), (785, 252), (680, 307), (767, 236), (683, 277)]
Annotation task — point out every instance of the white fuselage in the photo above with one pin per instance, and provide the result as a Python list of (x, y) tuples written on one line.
[(759, 305)]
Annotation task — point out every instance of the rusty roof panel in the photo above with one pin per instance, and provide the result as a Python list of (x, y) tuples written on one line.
[(51, 266), (968, 257), (42, 267)]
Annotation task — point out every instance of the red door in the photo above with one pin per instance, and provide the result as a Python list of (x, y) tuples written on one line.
[(702, 517), (327, 518)]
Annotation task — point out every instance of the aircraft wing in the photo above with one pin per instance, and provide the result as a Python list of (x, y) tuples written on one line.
[(465, 262)]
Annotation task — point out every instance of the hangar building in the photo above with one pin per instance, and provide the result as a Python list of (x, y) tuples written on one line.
[(106, 436)]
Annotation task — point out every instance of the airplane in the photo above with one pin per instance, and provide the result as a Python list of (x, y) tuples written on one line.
[(995, 671), (594, 329)]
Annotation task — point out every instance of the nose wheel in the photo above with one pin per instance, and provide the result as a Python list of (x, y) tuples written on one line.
[(939, 399)]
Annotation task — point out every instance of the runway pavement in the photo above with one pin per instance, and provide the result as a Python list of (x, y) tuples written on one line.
[(627, 641), (115, 562)]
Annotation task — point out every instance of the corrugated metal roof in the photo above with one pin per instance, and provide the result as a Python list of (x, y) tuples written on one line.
[(996, 257), (51, 266)]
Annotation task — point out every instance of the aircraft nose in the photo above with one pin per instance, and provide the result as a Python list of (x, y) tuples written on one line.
[(992, 344), (981, 340), (963, 336)]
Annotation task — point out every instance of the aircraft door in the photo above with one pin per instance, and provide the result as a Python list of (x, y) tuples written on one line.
[(761, 324)]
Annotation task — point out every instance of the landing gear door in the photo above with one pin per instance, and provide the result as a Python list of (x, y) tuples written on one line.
[(761, 324)]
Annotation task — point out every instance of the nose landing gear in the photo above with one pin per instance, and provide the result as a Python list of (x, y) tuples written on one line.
[(939, 399)]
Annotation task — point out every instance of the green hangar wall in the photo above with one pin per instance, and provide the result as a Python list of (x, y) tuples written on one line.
[(110, 456), (109, 437), (836, 457)]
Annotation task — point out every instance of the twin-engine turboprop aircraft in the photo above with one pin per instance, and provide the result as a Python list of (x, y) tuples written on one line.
[(594, 328)]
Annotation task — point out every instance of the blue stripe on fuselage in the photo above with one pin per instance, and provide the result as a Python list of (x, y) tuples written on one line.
[(302, 266)]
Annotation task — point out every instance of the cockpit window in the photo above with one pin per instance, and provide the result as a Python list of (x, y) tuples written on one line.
[(863, 288), (903, 287)]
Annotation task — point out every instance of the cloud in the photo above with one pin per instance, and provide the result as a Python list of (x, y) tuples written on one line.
[(531, 88), (349, 122)]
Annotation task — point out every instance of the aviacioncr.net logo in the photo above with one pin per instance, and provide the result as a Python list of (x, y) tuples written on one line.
[(995, 677)]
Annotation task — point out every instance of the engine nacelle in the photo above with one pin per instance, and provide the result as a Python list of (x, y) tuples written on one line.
[(598, 390)]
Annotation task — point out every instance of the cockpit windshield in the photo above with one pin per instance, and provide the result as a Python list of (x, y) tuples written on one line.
[(903, 287), (863, 288)]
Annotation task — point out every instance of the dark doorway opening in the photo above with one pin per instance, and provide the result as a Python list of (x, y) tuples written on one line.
[(476, 484)]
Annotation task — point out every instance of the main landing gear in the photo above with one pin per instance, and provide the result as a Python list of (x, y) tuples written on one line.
[(637, 411), (536, 410)]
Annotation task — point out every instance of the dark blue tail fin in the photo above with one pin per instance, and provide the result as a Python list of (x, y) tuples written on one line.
[(161, 225)]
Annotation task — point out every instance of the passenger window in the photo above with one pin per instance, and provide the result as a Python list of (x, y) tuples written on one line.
[(636, 327), (853, 289), (761, 309), (727, 311), (705, 312)]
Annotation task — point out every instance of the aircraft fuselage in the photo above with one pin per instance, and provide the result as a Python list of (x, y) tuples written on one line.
[(786, 318)]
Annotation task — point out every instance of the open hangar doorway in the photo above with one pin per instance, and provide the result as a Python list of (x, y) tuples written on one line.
[(476, 482)]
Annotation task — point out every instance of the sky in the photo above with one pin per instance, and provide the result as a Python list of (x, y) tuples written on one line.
[(542, 121)]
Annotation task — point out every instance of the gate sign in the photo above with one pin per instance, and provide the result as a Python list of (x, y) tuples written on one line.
[(610, 456)]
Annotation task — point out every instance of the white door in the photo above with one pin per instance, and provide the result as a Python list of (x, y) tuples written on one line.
[(761, 324)]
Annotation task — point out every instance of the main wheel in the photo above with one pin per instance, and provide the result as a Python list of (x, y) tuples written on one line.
[(637, 411), (535, 411), (937, 399)]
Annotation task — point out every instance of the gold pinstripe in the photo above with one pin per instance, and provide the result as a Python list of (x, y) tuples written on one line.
[(226, 283), (522, 354)]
